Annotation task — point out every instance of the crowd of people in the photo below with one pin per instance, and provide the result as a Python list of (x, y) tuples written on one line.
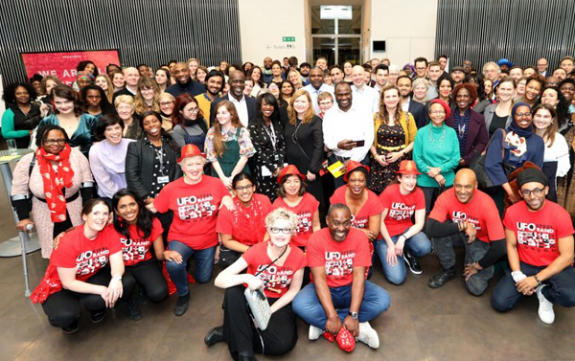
[(293, 179)]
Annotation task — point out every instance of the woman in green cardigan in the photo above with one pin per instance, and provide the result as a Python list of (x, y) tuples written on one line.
[(436, 154)]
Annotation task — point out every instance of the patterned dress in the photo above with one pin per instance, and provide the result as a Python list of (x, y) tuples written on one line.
[(389, 139)]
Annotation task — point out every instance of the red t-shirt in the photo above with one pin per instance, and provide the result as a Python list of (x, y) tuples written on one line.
[(245, 225), (371, 207), (538, 232), (338, 258), (400, 208), (74, 250), (275, 277), (305, 211), (137, 249), (195, 210), (480, 211)]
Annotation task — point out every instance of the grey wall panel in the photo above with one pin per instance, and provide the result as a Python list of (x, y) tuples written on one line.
[(520, 30), (144, 31)]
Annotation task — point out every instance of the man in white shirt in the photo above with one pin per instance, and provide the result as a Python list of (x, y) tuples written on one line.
[(316, 86), (363, 96), (347, 129), (245, 106)]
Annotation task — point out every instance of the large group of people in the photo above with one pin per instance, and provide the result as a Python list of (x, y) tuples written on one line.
[(294, 179)]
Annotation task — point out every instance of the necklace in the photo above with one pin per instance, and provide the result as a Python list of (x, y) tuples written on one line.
[(436, 142)]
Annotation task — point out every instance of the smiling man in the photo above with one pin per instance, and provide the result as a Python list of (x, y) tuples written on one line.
[(539, 237), (347, 129), (340, 296), (184, 82), (245, 106), (214, 85), (465, 216), (316, 86)]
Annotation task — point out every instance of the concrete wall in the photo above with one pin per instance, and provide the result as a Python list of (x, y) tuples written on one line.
[(408, 27), (263, 24)]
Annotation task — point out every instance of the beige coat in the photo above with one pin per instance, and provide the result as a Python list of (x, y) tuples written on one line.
[(23, 184)]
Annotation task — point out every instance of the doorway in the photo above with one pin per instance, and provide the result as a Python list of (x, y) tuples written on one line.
[(336, 33)]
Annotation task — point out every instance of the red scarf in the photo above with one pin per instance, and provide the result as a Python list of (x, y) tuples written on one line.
[(249, 222), (54, 183)]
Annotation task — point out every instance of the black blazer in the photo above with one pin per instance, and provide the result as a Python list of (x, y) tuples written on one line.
[(250, 102), (419, 113), (140, 164)]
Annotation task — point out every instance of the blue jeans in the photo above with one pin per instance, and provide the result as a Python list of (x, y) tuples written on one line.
[(418, 246), (560, 289), (307, 306), (204, 265)]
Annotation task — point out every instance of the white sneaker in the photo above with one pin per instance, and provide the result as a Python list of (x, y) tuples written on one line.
[(546, 313), (314, 333), (368, 335)]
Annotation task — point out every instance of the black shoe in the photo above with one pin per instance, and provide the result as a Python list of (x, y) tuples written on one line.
[(182, 305), (412, 263), (215, 335), (98, 316), (143, 296), (72, 328), (132, 310), (441, 278)]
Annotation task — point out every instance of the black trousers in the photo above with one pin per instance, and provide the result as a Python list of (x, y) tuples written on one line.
[(148, 275), (241, 335), (63, 308)]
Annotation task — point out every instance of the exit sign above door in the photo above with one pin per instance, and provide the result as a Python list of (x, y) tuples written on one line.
[(288, 39)]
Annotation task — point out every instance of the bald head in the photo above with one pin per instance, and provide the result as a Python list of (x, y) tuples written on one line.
[(131, 75), (464, 185), (358, 76)]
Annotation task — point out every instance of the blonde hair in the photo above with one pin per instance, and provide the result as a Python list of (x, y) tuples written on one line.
[(299, 84), (124, 99), (308, 115), (141, 105), (282, 213), (110, 91)]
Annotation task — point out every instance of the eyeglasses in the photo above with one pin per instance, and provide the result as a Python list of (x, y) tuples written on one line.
[(522, 115), (244, 188), (165, 104), (55, 141), (437, 112), (537, 192), (193, 110), (276, 230)]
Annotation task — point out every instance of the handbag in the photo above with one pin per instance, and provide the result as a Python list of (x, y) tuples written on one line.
[(258, 302), (227, 256), (478, 165)]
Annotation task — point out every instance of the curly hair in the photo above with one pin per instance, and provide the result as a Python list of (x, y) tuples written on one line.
[(9, 95)]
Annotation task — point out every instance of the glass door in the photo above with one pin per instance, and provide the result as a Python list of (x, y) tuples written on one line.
[(336, 33)]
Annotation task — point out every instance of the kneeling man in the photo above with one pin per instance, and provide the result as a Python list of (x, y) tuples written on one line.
[(340, 296)]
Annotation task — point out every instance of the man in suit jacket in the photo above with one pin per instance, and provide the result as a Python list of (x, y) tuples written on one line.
[(404, 84), (245, 106)]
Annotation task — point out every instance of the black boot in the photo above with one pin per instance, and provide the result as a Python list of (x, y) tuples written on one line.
[(445, 275), (182, 305), (132, 309), (214, 336)]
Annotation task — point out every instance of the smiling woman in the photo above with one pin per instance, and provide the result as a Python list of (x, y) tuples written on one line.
[(108, 157), (53, 211)]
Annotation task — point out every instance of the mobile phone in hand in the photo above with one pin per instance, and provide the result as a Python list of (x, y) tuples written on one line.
[(359, 143)]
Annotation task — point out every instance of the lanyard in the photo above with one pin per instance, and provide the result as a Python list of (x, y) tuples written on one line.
[(272, 135), (160, 156)]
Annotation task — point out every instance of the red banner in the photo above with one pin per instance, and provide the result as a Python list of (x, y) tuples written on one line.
[(63, 65)]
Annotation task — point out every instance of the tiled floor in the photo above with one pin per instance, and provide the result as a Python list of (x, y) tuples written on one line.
[(422, 324)]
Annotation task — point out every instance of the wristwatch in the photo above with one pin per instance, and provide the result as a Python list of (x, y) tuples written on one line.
[(353, 315)]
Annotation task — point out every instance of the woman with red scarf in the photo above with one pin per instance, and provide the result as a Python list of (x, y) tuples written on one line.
[(53, 177), (243, 226)]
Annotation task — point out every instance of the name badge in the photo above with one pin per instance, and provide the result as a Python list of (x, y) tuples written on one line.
[(276, 157), (337, 169), (163, 179)]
